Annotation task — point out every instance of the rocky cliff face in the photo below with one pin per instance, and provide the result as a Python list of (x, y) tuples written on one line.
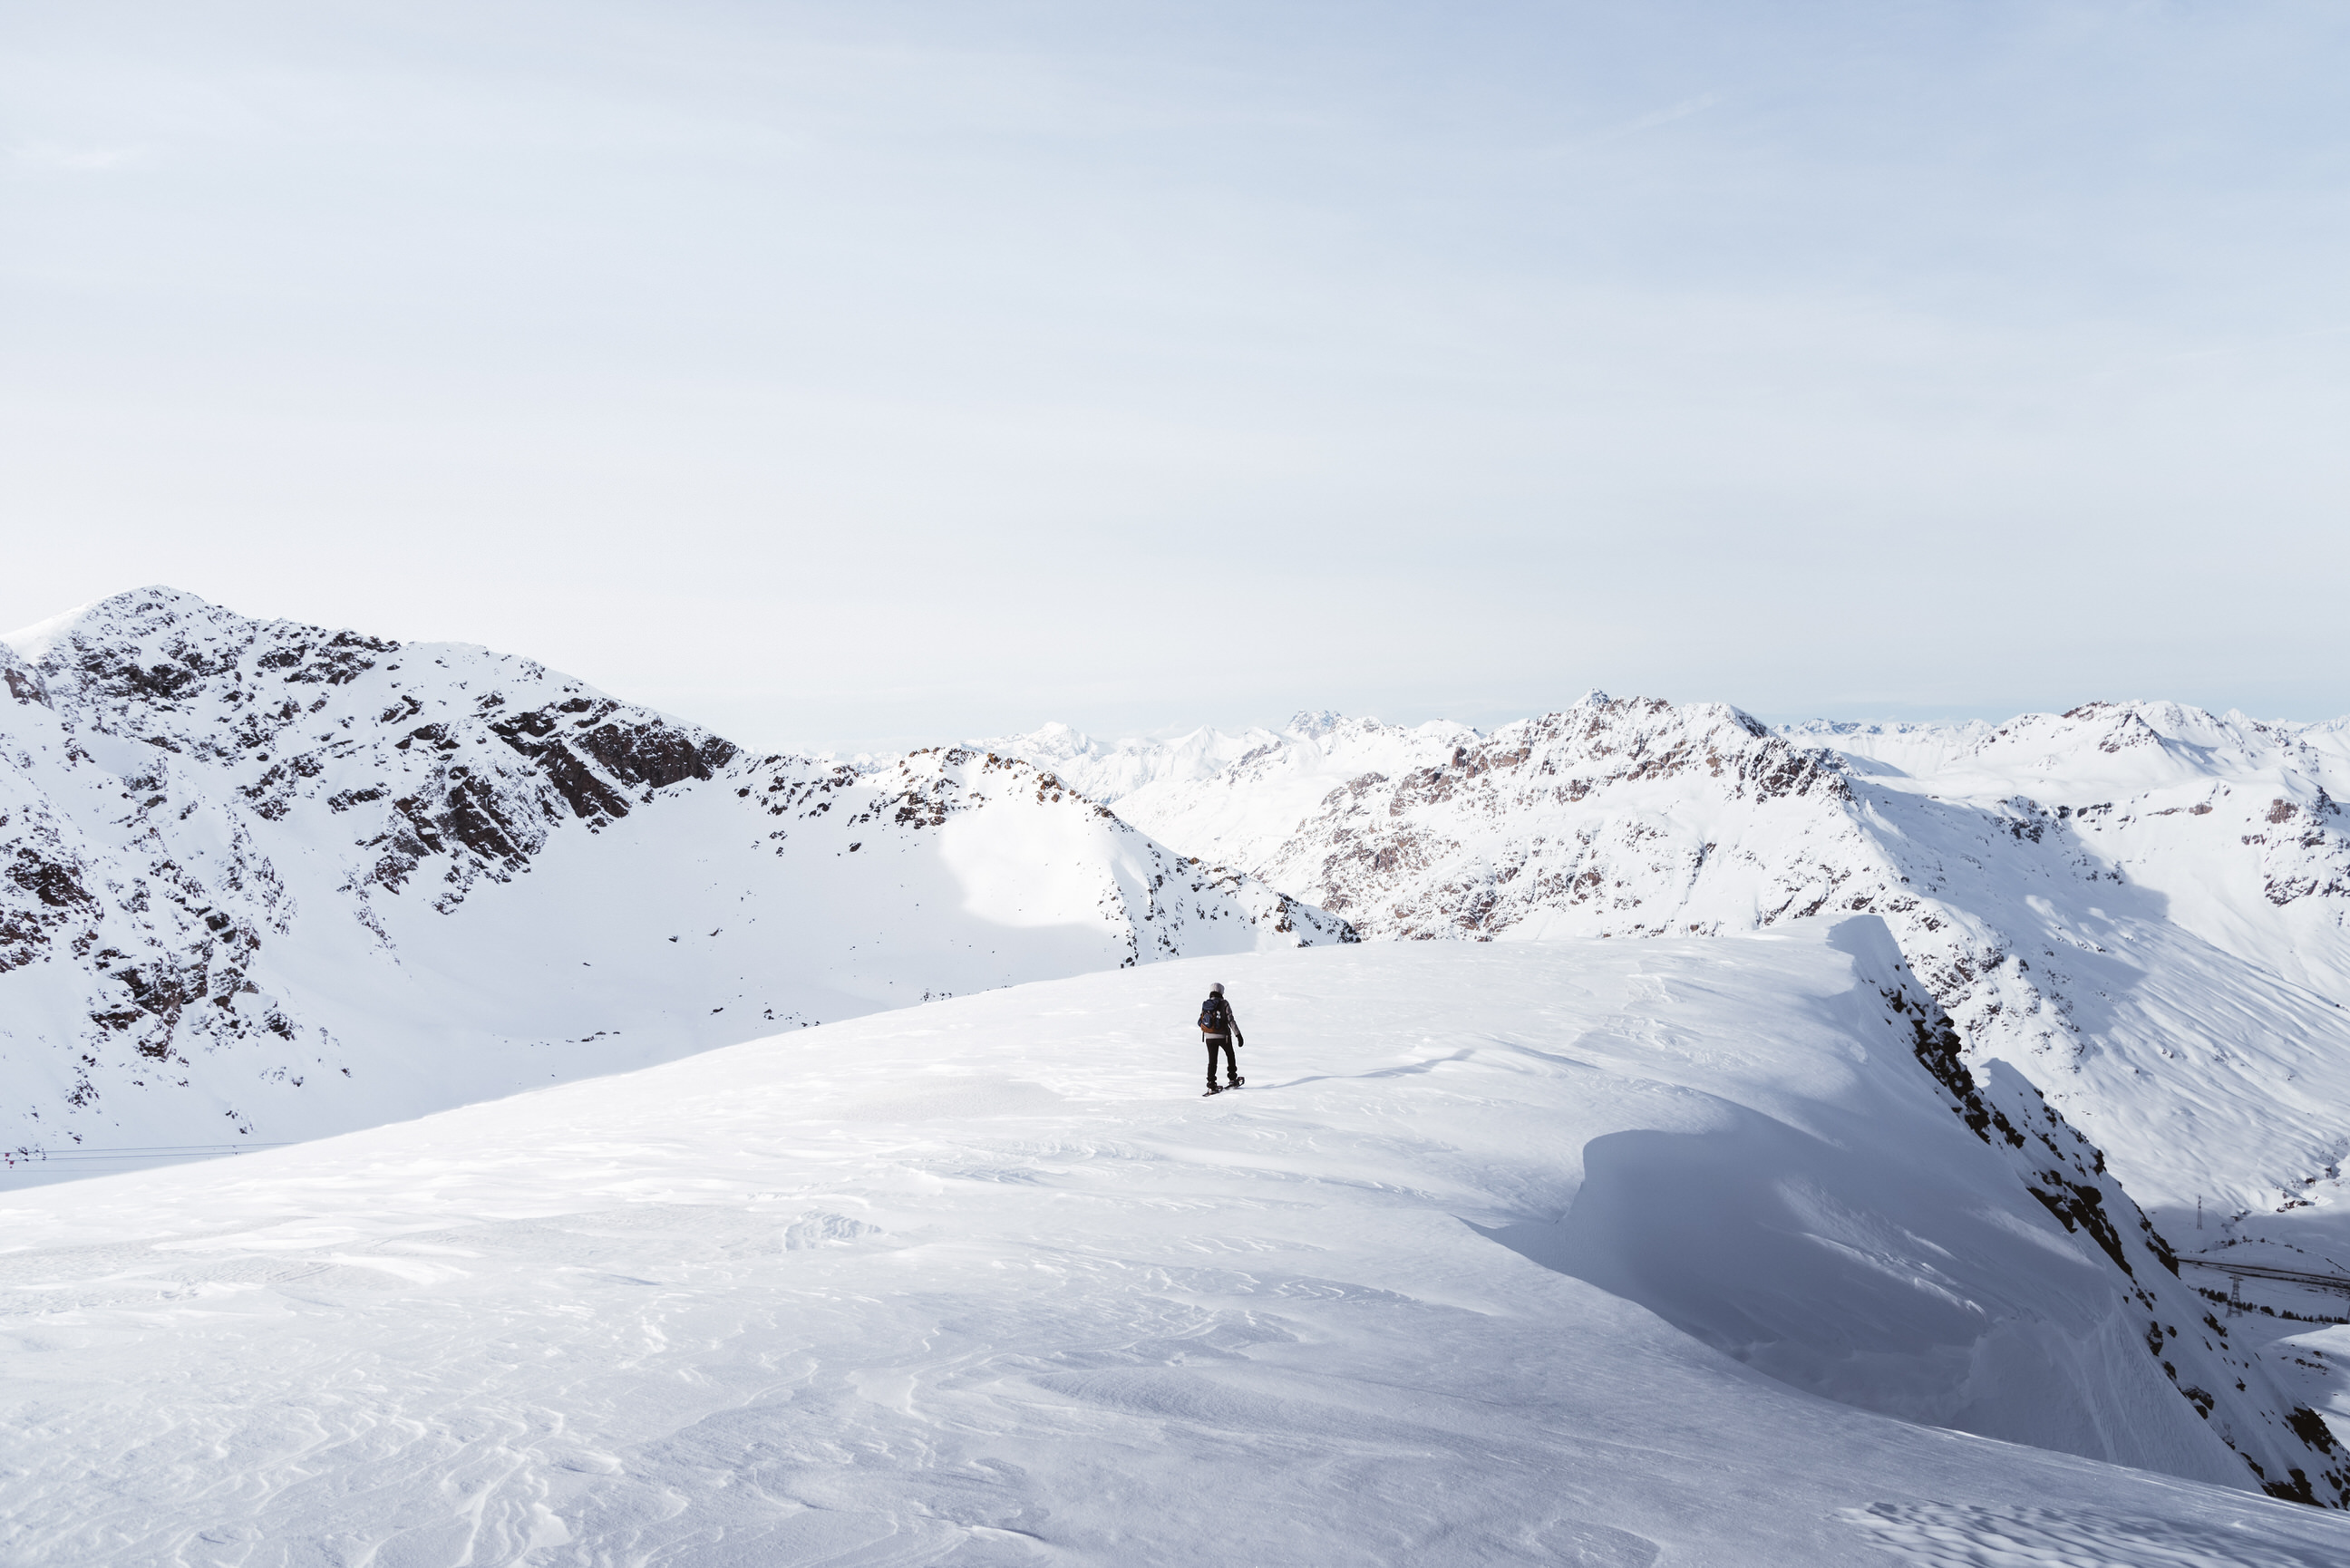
[(2224, 1378), (260, 880)]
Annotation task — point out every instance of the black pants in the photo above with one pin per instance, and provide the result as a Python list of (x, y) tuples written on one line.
[(1231, 1066)]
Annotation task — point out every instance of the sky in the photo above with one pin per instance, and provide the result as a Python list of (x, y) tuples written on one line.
[(865, 375)]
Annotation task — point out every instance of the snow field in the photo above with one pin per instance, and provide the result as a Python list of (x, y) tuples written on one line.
[(984, 1282)]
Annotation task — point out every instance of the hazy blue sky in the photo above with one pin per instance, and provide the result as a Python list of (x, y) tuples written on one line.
[(847, 374)]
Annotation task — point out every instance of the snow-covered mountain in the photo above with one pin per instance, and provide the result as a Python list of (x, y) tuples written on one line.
[(1482, 1268), (1107, 770), (1914, 749), (2145, 907), (1247, 790), (262, 881), (953, 1283)]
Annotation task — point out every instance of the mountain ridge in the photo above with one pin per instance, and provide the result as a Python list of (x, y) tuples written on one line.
[(236, 852), (438, 872)]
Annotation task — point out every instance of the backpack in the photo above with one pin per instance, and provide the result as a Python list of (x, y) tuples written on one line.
[(1215, 1018)]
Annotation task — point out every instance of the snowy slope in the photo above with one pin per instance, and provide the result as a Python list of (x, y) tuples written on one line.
[(1487, 1264), (261, 881), (2145, 907)]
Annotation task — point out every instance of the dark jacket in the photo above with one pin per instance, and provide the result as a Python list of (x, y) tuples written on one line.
[(1224, 1023)]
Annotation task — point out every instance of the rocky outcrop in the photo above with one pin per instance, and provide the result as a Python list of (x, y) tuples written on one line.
[(2285, 1445), (1547, 818)]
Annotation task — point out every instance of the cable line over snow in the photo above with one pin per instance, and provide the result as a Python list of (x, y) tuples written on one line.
[(2268, 1271)]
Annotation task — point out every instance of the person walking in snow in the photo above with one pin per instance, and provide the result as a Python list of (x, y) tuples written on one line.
[(1222, 1031)]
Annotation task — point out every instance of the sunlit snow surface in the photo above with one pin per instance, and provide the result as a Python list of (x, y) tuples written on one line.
[(985, 1283), (2144, 906)]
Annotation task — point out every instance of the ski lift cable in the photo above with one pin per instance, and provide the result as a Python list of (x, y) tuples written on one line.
[(2271, 1272)]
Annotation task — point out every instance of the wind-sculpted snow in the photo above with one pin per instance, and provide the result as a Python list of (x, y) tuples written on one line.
[(2145, 907), (1915, 1302), (260, 880), (985, 1282), (2012, 1535)]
